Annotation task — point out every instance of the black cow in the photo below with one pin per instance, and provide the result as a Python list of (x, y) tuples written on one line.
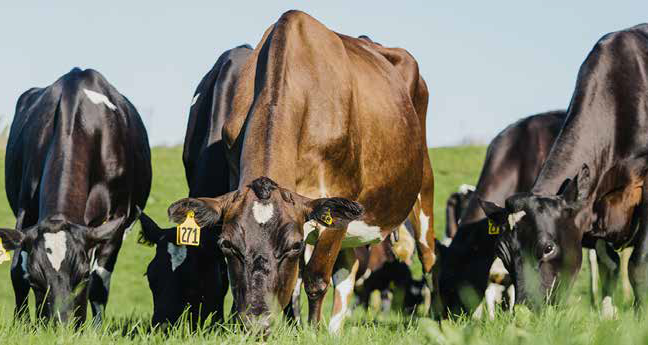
[(196, 277), (455, 206), (77, 171), (508, 168), (592, 185)]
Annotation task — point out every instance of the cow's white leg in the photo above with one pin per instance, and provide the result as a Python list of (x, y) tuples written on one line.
[(102, 264), (511, 295), (493, 295), (344, 281), (594, 276)]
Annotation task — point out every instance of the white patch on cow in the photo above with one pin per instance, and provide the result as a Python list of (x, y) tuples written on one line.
[(608, 310), (103, 274), (466, 188), (308, 252), (360, 233), (514, 218), (24, 257), (447, 241), (194, 99), (262, 212), (297, 290), (493, 295), (98, 98), (594, 274), (497, 268), (178, 255), (364, 277), (425, 222), (511, 295), (344, 288), (311, 231), (56, 248)]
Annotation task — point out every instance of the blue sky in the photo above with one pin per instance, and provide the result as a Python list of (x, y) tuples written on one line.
[(486, 63)]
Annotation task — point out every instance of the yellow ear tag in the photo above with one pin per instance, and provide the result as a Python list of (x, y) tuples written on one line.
[(492, 228), (188, 233), (4, 254), (326, 217)]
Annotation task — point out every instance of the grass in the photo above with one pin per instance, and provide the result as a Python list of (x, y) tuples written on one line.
[(130, 306)]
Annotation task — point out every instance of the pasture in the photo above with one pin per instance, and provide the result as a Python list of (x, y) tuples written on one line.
[(130, 305)]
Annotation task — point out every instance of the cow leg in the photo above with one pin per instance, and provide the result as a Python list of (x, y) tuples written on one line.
[(318, 270), (20, 282), (292, 312), (19, 275), (102, 264), (594, 276), (609, 269), (346, 268), (638, 263)]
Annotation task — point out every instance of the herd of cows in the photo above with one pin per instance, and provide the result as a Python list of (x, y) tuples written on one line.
[(306, 161)]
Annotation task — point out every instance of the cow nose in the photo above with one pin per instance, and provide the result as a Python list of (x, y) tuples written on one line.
[(258, 324)]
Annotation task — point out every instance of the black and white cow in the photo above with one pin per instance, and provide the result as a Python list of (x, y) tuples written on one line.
[(77, 172), (182, 277)]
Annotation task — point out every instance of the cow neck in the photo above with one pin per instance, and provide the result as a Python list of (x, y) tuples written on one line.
[(64, 181), (584, 139), (270, 148)]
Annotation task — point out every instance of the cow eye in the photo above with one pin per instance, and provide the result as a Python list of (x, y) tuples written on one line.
[(226, 246), (548, 250), (296, 247)]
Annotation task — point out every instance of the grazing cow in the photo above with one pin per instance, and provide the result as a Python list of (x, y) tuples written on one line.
[(591, 187), (466, 263), (182, 277), (308, 116), (78, 169), (385, 265), (456, 204)]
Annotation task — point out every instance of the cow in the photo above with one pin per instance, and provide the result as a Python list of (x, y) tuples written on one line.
[(386, 266), (77, 174), (187, 277), (591, 187), (466, 264), (307, 159), (456, 204)]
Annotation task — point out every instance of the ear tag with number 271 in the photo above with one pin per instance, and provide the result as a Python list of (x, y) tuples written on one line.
[(492, 228), (188, 233), (4, 254)]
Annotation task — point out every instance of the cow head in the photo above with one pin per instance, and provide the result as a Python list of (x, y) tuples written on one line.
[(56, 257), (262, 238), (542, 238)]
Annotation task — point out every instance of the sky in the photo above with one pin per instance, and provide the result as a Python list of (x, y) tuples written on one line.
[(486, 63)]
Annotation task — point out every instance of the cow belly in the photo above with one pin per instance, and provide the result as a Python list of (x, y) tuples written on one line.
[(358, 234)]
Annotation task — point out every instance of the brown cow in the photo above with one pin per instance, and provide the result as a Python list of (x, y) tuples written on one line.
[(308, 121)]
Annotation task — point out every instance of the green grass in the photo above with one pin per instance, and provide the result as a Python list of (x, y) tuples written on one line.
[(130, 305)]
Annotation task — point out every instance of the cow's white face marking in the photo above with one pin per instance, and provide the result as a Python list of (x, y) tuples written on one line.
[(194, 99), (178, 255), (56, 248), (514, 218), (98, 98), (24, 257), (360, 281), (262, 212), (466, 188)]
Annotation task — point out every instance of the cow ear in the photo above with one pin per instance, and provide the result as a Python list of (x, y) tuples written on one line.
[(207, 211), (577, 189), (493, 212), (150, 233), (12, 239), (103, 232), (334, 212)]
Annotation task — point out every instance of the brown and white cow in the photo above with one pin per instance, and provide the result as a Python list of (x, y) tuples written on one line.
[(308, 121)]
